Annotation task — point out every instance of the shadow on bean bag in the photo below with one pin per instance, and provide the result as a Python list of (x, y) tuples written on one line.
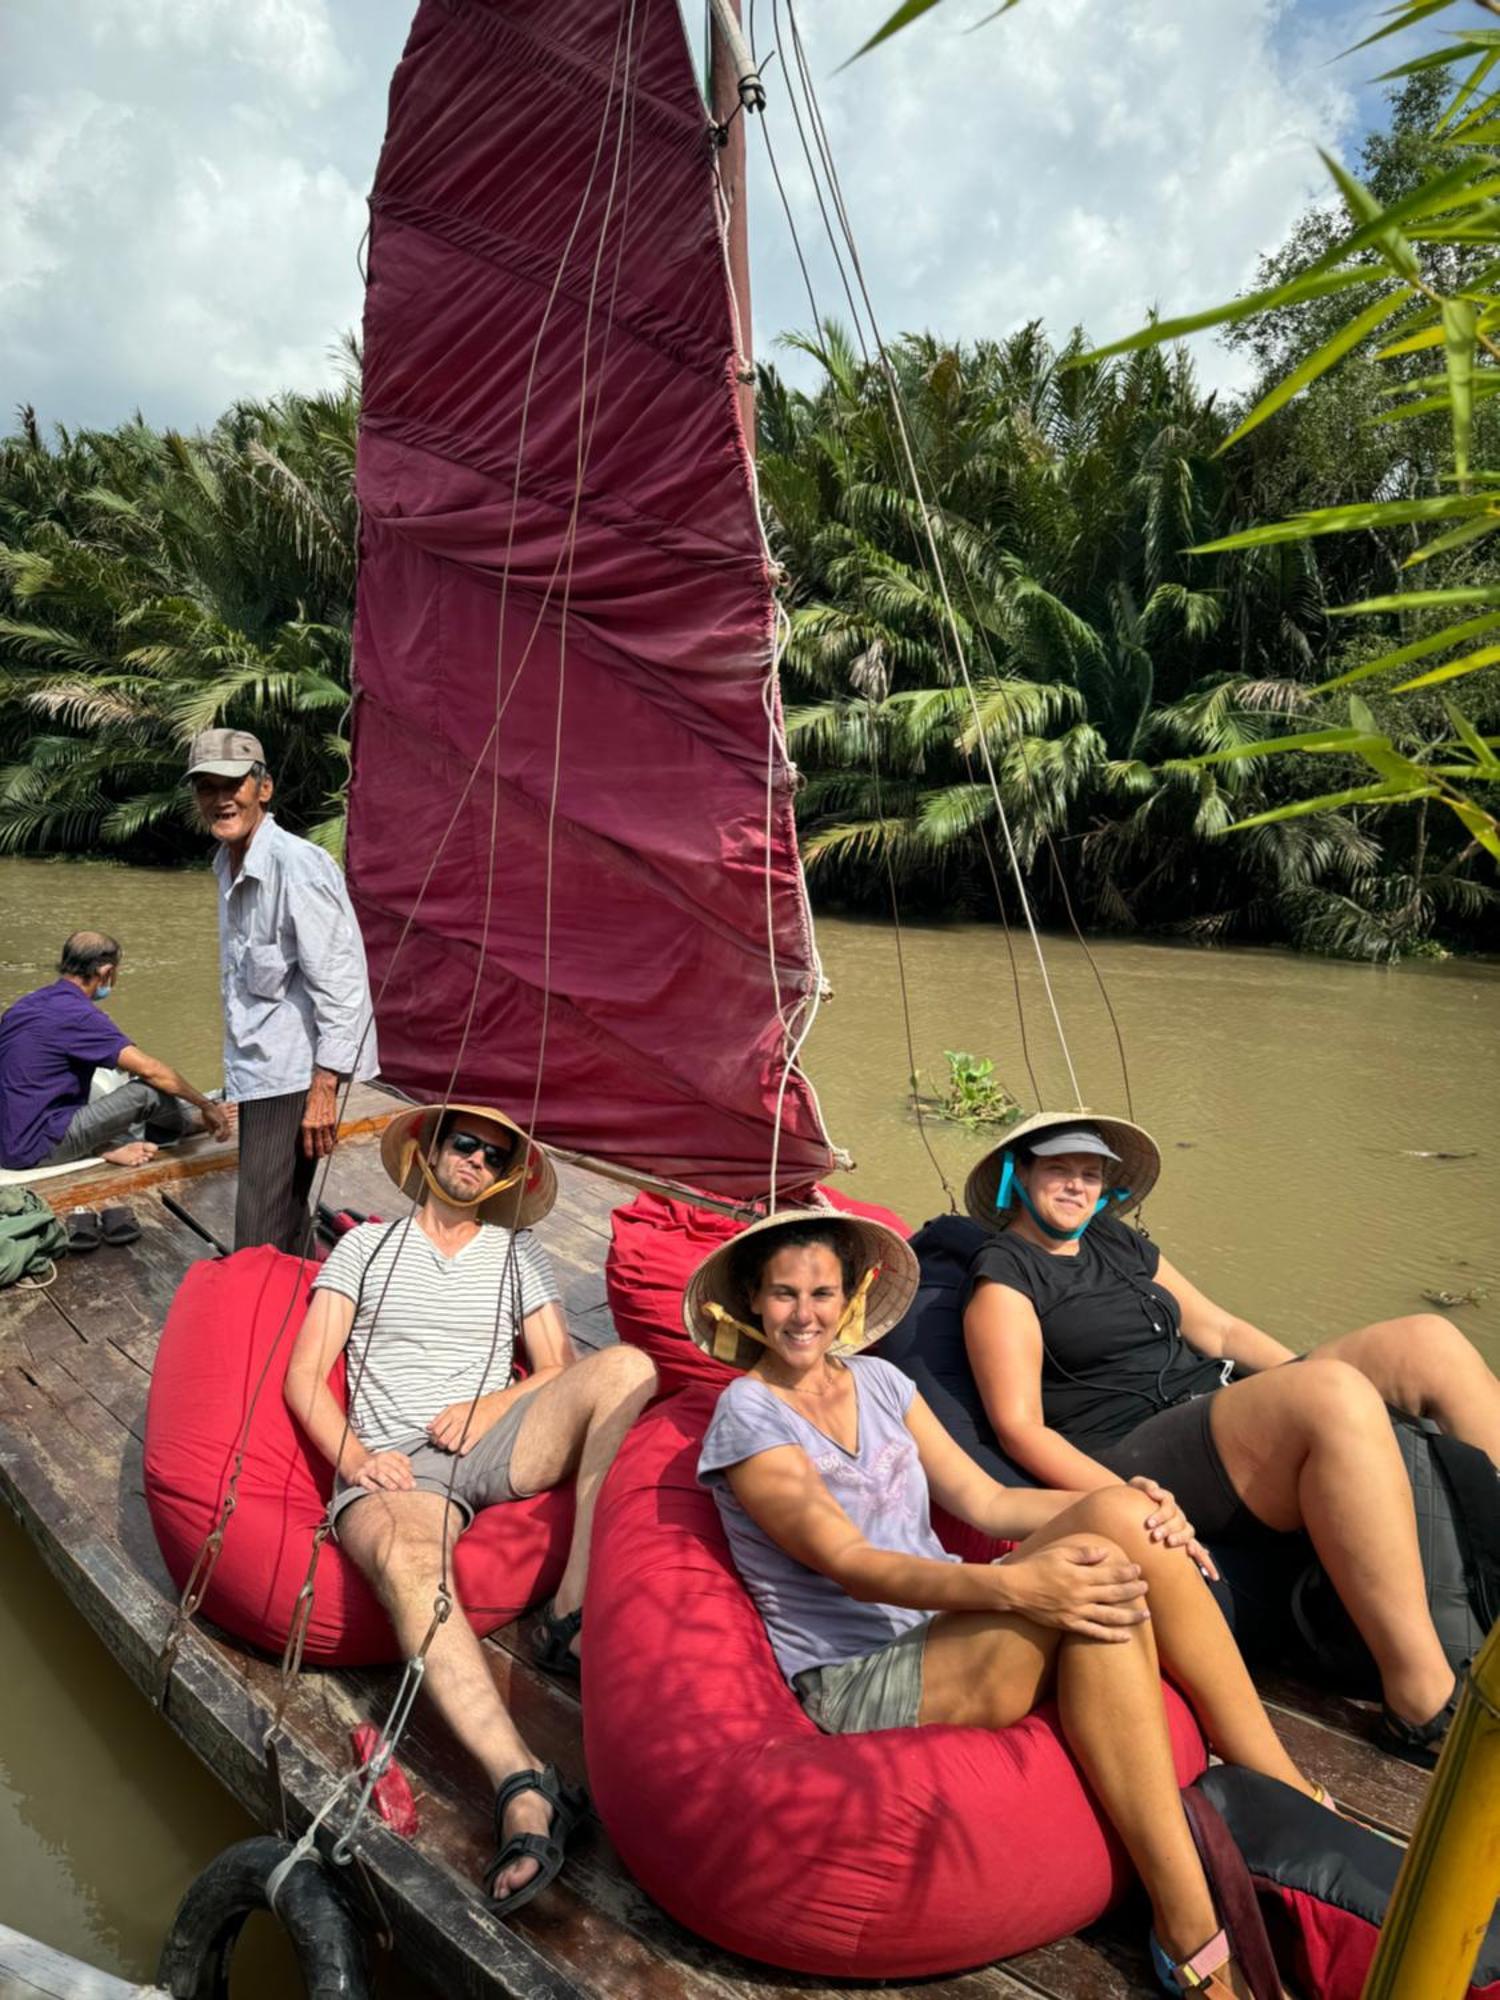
[(891, 1855)]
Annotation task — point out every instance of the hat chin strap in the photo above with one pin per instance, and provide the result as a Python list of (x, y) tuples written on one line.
[(415, 1153), (1009, 1186)]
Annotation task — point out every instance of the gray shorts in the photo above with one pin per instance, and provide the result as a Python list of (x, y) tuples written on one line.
[(479, 1478), (877, 1691)]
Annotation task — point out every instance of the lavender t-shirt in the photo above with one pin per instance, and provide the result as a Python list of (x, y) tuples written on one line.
[(881, 1487)]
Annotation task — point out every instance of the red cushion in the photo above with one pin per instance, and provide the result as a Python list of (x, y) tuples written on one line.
[(655, 1246), (228, 1320), (892, 1855)]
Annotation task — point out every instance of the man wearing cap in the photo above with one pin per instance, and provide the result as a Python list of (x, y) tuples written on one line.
[(432, 1311), (51, 1043), (297, 1015)]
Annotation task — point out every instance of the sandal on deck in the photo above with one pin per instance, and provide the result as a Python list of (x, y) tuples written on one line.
[(1418, 1742), (1206, 1972), (552, 1642), (568, 1803), (118, 1226), (83, 1230)]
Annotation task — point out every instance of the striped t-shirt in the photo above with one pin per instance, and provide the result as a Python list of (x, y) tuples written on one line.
[(430, 1330)]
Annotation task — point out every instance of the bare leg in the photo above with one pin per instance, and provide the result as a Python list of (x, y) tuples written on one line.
[(1422, 1364), (397, 1540), (1311, 1447), (990, 1669), (574, 1426)]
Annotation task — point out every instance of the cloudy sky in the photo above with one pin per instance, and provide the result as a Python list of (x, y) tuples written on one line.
[(182, 182)]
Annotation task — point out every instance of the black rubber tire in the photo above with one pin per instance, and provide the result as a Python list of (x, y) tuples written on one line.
[(195, 1960)]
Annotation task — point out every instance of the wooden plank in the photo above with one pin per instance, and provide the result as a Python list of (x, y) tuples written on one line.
[(444, 1929), (28, 1967)]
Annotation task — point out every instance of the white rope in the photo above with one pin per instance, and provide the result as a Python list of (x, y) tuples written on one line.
[(960, 651)]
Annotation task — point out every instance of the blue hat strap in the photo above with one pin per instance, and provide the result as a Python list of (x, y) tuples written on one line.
[(1111, 1199), (1007, 1180)]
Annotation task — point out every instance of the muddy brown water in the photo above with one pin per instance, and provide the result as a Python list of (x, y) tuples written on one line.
[(1304, 1109)]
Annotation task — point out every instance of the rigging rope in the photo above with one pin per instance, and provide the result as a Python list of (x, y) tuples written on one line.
[(897, 404)]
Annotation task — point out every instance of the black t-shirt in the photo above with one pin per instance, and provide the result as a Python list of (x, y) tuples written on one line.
[(1113, 1349)]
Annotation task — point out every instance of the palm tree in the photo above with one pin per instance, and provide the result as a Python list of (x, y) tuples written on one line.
[(152, 585)]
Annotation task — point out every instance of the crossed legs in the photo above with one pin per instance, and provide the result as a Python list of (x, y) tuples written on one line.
[(574, 1425), (988, 1670)]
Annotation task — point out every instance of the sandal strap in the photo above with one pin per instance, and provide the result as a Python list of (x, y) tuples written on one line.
[(1188, 1974), (542, 1848)]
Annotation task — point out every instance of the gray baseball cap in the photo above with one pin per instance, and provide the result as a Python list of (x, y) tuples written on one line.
[(1072, 1139), (224, 753)]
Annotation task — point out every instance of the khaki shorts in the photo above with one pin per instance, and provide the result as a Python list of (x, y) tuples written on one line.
[(877, 1691), (479, 1478)]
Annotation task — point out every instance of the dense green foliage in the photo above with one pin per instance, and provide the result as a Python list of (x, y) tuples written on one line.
[(151, 584)]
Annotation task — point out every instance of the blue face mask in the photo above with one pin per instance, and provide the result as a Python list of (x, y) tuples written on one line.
[(104, 992)]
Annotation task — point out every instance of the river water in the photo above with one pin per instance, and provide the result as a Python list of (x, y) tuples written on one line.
[(1302, 1107)]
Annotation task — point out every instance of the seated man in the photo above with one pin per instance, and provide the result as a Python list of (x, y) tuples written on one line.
[(52, 1041), (429, 1307)]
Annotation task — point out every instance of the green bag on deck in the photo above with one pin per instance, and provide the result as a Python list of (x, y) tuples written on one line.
[(30, 1236)]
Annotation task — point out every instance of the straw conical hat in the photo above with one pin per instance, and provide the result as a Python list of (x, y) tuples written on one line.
[(894, 1287), (406, 1141), (1140, 1161)]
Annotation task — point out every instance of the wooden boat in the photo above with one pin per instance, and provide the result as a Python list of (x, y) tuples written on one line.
[(75, 1360), (671, 1051)]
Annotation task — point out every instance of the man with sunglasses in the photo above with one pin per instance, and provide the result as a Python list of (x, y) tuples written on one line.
[(434, 1310)]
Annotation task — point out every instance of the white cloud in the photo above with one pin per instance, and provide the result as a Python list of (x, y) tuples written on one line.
[(292, 41), (182, 182), (1075, 160)]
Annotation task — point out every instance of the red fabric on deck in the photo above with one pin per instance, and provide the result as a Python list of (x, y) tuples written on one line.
[(502, 228), (228, 1320), (889, 1855)]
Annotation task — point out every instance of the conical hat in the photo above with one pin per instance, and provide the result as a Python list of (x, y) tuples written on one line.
[(879, 1247), (1140, 1161), (406, 1141)]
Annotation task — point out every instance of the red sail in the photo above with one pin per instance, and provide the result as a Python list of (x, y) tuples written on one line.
[(563, 646)]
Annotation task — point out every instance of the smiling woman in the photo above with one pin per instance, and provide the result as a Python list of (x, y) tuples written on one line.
[(824, 1463)]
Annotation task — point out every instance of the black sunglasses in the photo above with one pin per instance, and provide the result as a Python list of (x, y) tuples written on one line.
[(467, 1144)]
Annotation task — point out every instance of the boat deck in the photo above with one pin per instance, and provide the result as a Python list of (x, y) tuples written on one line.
[(74, 1365)]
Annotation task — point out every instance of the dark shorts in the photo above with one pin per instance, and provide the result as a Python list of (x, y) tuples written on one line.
[(479, 1478), (1176, 1447)]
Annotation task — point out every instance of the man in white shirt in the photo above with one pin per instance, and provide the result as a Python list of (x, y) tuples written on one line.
[(431, 1308), (297, 1015)]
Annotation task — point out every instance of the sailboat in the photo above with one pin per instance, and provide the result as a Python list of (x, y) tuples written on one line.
[(572, 851)]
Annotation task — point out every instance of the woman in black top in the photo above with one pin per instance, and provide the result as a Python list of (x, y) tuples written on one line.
[(1098, 1360)]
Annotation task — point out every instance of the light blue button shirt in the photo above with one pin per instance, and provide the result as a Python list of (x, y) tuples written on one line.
[(292, 964)]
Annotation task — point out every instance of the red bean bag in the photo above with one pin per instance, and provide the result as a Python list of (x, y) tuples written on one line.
[(655, 1246), (892, 1855), (225, 1321)]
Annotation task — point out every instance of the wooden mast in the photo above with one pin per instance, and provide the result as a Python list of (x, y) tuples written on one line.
[(735, 90)]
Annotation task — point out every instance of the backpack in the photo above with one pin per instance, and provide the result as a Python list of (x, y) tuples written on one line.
[(1456, 1492), (30, 1237), (1301, 1888)]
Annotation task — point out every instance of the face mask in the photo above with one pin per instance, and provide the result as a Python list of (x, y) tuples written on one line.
[(104, 992)]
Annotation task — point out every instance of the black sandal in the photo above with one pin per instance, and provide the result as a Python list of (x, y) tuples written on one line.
[(83, 1230), (118, 1226), (552, 1641), (1420, 1743), (568, 1802)]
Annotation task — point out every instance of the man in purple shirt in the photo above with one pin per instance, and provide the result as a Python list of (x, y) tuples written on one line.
[(53, 1040)]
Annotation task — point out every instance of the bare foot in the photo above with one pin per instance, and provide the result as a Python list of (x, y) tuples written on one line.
[(136, 1154), (528, 1812)]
